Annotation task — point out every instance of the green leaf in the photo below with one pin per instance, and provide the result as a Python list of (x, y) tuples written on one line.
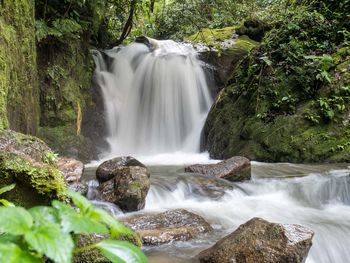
[(11, 253), (98, 214), (44, 215), (9, 238), (121, 251), (15, 220), (81, 202), (49, 240), (7, 188), (116, 227), (266, 60), (6, 203), (72, 221)]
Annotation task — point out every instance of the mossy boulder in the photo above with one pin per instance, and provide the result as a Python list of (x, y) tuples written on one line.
[(222, 49), (30, 164)]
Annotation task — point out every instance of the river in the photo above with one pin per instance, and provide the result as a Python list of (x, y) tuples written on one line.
[(316, 196)]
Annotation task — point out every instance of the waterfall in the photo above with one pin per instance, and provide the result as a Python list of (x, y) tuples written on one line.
[(156, 97)]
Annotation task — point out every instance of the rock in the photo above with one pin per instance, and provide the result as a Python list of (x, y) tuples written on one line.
[(79, 187), (72, 169), (173, 225), (128, 188), (105, 171), (259, 241), (234, 169), (94, 255), (30, 164), (254, 29)]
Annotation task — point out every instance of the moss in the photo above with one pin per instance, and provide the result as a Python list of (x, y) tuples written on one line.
[(18, 73), (35, 184), (211, 36), (65, 81)]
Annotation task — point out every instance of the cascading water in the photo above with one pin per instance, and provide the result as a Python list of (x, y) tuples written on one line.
[(156, 99)]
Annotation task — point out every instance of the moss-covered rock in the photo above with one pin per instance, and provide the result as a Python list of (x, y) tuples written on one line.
[(30, 164), (19, 97), (222, 49)]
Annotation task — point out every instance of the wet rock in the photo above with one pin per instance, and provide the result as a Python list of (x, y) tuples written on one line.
[(79, 187), (172, 225), (259, 241), (105, 171), (128, 188), (234, 169), (72, 169)]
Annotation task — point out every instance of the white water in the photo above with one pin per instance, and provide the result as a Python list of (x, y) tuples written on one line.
[(319, 200), (156, 101), (316, 196)]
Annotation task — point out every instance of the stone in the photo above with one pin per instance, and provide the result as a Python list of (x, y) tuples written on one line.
[(259, 241), (30, 164), (236, 168), (79, 187), (127, 188), (104, 171), (72, 169), (170, 226)]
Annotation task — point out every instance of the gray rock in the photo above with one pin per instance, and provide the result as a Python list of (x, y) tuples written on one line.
[(105, 171), (259, 241), (234, 169), (127, 188), (72, 169), (172, 225)]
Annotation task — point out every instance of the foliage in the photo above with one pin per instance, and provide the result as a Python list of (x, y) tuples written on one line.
[(50, 232)]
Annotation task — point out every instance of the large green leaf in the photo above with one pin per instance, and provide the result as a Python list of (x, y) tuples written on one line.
[(10, 253), (116, 227), (121, 251), (7, 188), (98, 214), (72, 221), (51, 241), (44, 214), (15, 220), (81, 202)]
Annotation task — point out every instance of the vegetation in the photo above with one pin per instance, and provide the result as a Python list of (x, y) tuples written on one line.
[(296, 87), (51, 232)]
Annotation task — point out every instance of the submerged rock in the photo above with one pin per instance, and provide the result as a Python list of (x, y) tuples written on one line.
[(105, 171), (128, 188), (234, 169), (259, 241), (173, 225), (30, 164)]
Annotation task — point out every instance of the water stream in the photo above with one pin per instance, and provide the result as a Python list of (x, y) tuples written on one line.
[(317, 196), (156, 100)]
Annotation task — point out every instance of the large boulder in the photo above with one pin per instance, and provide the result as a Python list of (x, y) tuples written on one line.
[(30, 164), (105, 171), (127, 188), (162, 228), (259, 241), (234, 169)]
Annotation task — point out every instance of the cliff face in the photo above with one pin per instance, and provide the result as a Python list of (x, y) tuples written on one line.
[(289, 100), (19, 100)]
